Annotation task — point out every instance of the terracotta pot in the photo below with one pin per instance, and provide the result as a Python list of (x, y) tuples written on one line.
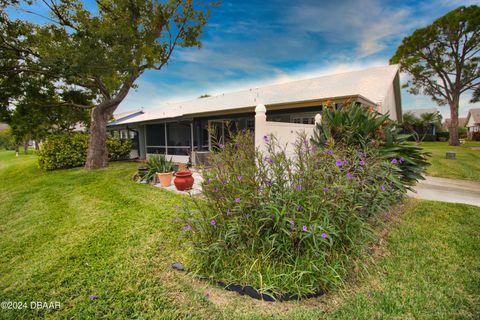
[(165, 178), (183, 180)]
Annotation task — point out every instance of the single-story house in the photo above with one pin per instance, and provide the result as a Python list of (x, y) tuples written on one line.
[(181, 129), (462, 122), (473, 122)]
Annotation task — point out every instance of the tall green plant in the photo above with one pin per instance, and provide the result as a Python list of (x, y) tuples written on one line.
[(157, 163), (356, 125), (283, 223)]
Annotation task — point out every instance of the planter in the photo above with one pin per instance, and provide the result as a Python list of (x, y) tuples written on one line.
[(165, 178), (183, 180), (142, 171)]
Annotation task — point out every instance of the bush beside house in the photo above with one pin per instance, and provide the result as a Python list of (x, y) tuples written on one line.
[(70, 150), (291, 224)]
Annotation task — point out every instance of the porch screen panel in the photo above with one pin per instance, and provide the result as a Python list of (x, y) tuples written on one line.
[(179, 138), (155, 138)]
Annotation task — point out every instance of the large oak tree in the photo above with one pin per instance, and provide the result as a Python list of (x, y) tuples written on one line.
[(443, 60), (104, 50)]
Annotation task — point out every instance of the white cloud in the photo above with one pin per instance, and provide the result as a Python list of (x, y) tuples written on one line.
[(367, 24)]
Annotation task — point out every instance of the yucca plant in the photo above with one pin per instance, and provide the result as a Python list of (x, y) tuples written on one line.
[(356, 125), (157, 163)]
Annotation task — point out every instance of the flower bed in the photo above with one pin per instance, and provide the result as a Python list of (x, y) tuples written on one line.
[(286, 225)]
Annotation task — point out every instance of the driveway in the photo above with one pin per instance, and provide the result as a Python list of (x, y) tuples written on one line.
[(448, 190)]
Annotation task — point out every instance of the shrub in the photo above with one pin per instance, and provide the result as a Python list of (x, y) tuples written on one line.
[(6, 140), (358, 126), (443, 136), (475, 136), (70, 150), (286, 224), (462, 132)]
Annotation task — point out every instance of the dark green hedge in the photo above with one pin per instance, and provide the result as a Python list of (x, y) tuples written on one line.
[(70, 150)]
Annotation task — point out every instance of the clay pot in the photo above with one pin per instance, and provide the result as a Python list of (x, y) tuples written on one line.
[(183, 180), (165, 178)]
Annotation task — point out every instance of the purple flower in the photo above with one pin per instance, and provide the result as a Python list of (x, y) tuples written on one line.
[(401, 160), (362, 163), (237, 200), (178, 238), (383, 188), (299, 208), (324, 235), (338, 163), (187, 228), (325, 189), (209, 181), (305, 228), (244, 130), (291, 222), (349, 175), (270, 161), (330, 152), (221, 146), (265, 138), (394, 161), (305, 141), (214, 190), (299, 188), (93, 297), (239, 178), (213, 222), (268, 182), (224, 182)]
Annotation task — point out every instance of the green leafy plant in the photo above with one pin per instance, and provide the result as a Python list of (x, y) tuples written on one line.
[(356, 125), (157, 163), (69, 150), (286, 223), (6, 139)]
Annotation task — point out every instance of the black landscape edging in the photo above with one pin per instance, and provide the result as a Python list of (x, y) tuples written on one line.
[(253, 293)]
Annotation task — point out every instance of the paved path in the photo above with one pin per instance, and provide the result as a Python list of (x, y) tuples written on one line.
[(448, 190)]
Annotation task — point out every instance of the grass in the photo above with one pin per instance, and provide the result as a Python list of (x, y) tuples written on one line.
[(467, 165), (71, 234)]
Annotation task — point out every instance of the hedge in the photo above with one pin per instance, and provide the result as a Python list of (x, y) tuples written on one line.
[(69, 150)]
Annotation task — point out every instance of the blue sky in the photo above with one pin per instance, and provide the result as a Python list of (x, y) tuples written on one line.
[(250, 43)]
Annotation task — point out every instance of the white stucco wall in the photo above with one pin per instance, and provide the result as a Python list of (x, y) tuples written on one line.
[(286, 133), (388, 104)]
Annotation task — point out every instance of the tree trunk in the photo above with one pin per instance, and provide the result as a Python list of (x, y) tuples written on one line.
[(37, 147), (25, 147), (454, 140), (97, 156)]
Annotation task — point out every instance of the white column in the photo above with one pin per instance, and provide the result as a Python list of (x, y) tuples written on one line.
[(260, 126)]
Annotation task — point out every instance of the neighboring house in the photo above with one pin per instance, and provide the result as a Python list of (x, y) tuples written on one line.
[(462, 122), (473, 122), (181, 129)]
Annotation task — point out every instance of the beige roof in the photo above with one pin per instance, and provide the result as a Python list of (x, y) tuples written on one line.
[(372, 84), (462, 122), (475, 113)]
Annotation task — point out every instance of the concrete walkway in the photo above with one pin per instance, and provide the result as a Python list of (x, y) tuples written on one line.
[(448, 190)]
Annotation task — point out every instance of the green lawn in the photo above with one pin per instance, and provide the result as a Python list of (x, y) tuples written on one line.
[(71, 234), (467, 165)]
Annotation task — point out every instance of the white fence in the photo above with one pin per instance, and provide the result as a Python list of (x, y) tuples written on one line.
[(285, 132)]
